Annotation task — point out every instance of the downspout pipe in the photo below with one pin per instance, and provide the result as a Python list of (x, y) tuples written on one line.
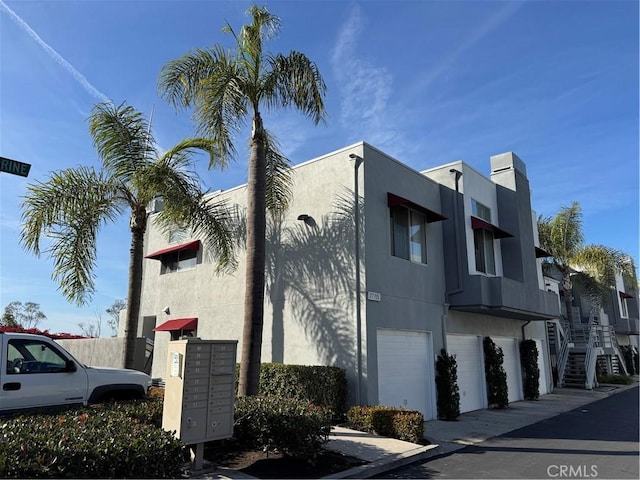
[(356, 217), (524, 337), (456, 231)]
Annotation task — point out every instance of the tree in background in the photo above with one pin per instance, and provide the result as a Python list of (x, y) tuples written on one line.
[(595, 265), (227, 88), (25, 315), (72, 204), (114, 314), (92, 328)]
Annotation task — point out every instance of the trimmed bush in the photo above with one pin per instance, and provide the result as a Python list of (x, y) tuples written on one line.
[(407, 425), (320, 385), (496, 377), (615, 379), (296, 428), (630, 359), (109, 441), (447, 386), (530, 370)]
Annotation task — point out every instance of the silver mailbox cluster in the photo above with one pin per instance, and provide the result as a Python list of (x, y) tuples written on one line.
[(200, 389)]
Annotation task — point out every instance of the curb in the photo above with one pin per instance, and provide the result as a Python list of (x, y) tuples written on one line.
[(388, 463)]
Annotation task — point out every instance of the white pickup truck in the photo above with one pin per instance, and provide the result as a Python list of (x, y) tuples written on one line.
[(36, 372)]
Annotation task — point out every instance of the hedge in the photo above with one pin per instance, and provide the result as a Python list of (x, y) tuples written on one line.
[(105, 441), (407, 425), (319, 385), (290, 426)]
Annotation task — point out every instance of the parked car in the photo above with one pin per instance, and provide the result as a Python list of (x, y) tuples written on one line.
[(37, 372)]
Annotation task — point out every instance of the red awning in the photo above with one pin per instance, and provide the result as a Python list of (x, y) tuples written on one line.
[(394, 200), (625, 295), (478, 223), (193, 245), (177, 324)]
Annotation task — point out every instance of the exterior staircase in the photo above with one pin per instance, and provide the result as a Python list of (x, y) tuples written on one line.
[(575, 375), (580, 348)]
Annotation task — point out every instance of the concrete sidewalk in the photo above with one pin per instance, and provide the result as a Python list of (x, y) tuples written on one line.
[(385, 454)]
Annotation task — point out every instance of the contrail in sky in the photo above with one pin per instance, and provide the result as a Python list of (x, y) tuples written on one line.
[(81, 79)]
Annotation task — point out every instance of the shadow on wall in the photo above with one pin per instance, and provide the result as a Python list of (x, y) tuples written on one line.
[(310, 271)]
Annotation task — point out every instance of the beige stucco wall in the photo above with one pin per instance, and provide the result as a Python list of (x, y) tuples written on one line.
[(103, 352), (307, 312)]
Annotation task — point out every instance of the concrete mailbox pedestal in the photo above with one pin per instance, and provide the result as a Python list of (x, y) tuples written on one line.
[(200, 392)]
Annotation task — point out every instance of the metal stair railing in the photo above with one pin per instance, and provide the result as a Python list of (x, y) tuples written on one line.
[(564, 339), (591, 356), (610, 333)]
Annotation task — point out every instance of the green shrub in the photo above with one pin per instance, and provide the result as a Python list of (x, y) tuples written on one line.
[(496, 377), (296, 428), (447, 386), (615, 379), (630, 356), (407, 425), (106, 441), (530, 370), (320, 385)]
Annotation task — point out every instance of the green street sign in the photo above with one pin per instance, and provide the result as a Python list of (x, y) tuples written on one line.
[(13, 166)]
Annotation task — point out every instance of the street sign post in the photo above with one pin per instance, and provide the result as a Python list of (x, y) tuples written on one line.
[(14, 167)]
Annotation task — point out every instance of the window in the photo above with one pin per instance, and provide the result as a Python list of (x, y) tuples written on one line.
[(408, 234), (485, 258), (33, 356), (179, 260), (480, 210), (624, 312), (483, 240)]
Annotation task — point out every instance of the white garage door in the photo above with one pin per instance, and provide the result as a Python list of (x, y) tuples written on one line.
[(405, 371), (468, 352), (511, 365), (543, 372)]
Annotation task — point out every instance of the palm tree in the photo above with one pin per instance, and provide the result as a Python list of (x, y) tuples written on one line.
[(227, 88), (563, 238), (71, 206)]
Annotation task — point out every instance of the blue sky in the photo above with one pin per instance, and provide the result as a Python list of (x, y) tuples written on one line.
[(428, 82)]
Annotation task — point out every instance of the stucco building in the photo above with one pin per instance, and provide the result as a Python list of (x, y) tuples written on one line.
[(446, 257)]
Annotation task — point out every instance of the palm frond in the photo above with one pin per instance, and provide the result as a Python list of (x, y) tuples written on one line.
[(562, 235), (185, 148), (185, 204), (211, 221), (296, 80), (69, 209), (279, 176), (209, 80), (122, 138), (602, 263)]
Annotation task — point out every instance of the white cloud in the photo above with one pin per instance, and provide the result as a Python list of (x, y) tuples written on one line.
[(364, 87), (77, 76)]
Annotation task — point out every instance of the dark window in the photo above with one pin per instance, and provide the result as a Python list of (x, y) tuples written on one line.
[(179, 260), (485, 257), (408, 234)]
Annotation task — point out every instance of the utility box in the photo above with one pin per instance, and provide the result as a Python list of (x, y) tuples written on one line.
[(200, 389)]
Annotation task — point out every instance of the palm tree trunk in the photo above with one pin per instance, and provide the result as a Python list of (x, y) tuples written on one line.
[(568, 293), (255, 275), (134, 288)]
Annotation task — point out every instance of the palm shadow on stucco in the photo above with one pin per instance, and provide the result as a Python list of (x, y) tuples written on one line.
[(310, 268), (310, 272)]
